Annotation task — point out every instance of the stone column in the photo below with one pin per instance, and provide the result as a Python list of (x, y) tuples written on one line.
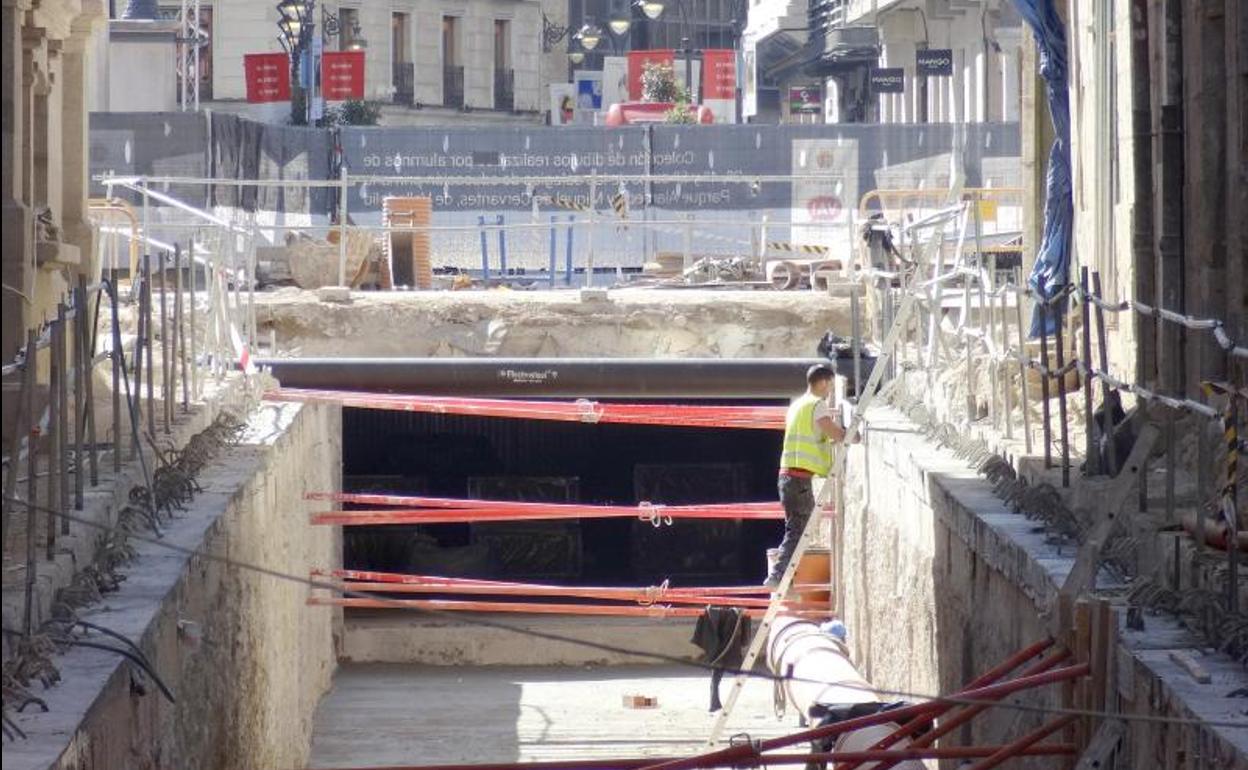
[(1010, 40), (16, 214), (75, 228)]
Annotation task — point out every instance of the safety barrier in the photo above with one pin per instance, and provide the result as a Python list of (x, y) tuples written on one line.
[(623, 223), (581, 410), (661, 600)]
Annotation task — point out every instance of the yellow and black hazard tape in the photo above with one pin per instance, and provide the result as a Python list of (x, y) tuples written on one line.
[(619, 202), (569, 204), (797, 248), (1230, 435)]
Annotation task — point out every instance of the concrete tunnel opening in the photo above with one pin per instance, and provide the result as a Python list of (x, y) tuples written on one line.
[(465, 456)]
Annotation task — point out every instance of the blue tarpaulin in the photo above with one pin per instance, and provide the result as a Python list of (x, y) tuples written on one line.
[(1052, 269)]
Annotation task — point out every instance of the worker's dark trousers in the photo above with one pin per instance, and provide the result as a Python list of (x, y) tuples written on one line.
[(798, 498)]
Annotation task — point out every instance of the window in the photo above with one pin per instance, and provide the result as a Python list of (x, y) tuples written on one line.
[(348, 28), (400, 37), (450, 41), (502, 44)]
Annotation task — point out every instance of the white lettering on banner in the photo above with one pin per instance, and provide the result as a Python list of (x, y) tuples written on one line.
[(400, 162)]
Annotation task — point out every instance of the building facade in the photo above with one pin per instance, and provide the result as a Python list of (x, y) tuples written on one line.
[(462, 55), (863, 60), (43, 195)]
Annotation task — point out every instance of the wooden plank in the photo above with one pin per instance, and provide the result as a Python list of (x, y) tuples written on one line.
[(1102, 620), (1083, 575), (1185, 661), (1082, 650), (1100, 752)]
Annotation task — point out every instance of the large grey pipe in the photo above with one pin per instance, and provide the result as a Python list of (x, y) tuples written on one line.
[(552, 377)]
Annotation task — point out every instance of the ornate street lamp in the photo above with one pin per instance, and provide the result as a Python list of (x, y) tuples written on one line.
[(653, 9), (590, 36), (619, 23)]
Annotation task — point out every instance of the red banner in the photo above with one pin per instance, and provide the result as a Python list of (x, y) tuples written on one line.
[(637, 61), (268, 77), (342, 75), (719, 74)]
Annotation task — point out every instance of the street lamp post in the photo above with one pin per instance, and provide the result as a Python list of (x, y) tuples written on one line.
[(297, 23)]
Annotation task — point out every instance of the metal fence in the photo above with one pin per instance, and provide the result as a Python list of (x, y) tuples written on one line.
[(951, 323)]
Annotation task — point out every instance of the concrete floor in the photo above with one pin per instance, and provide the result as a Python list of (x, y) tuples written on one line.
[(392, 714)]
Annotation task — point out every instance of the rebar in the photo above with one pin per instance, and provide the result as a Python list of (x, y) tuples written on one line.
[(116, 358), (32, 467), (1060, 352), (1042, 308), (87, 362), (166, 358), (1091, 457), (179, 324), (78, 326), (1022, 366), (60, 352), (191, 275), (54, 452), (150, 342)]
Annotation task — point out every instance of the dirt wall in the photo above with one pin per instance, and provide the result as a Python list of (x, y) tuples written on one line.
[(559, 324)]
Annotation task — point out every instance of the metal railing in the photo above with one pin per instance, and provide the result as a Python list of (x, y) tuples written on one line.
[(403, 77), (504, 89), (647, 214), (979, 338), (453, 86)]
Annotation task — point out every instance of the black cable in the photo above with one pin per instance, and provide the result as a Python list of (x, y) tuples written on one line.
[(138, 660), (603, 647)]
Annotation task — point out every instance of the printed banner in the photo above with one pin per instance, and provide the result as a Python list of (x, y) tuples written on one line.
[(342, 75), (934, 62), (614, 80), (806, 100), (719, 74), (268, 77), (888, 80)]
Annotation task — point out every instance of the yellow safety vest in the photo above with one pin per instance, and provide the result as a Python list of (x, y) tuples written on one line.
[(805, 445)]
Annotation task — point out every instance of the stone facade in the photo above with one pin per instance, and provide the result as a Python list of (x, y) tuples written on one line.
[(44, 138), (241, 27)]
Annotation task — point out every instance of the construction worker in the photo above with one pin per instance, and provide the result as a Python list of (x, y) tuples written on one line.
[(810, 428)]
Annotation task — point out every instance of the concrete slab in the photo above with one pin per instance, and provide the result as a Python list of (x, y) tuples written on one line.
[(390, 714), (386, 636)]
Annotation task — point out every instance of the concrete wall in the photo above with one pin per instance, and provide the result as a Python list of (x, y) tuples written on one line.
[(246, 692), (143, 52), (940, 581), (934, 593)]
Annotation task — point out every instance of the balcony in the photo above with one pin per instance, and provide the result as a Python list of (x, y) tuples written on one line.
[(504, 89), (453, 87), (404, 80)]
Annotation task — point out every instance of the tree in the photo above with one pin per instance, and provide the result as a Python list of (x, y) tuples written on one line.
[(658, 84)]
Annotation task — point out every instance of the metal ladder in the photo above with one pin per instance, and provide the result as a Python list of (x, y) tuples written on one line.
[(812, 524)]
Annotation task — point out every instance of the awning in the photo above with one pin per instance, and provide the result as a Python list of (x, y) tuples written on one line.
[(774, 51)]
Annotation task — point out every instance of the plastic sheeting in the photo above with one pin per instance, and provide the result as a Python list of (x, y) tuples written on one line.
[(1052, 269)]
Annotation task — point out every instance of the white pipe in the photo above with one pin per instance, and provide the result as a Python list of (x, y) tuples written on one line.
[(821, 672)]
